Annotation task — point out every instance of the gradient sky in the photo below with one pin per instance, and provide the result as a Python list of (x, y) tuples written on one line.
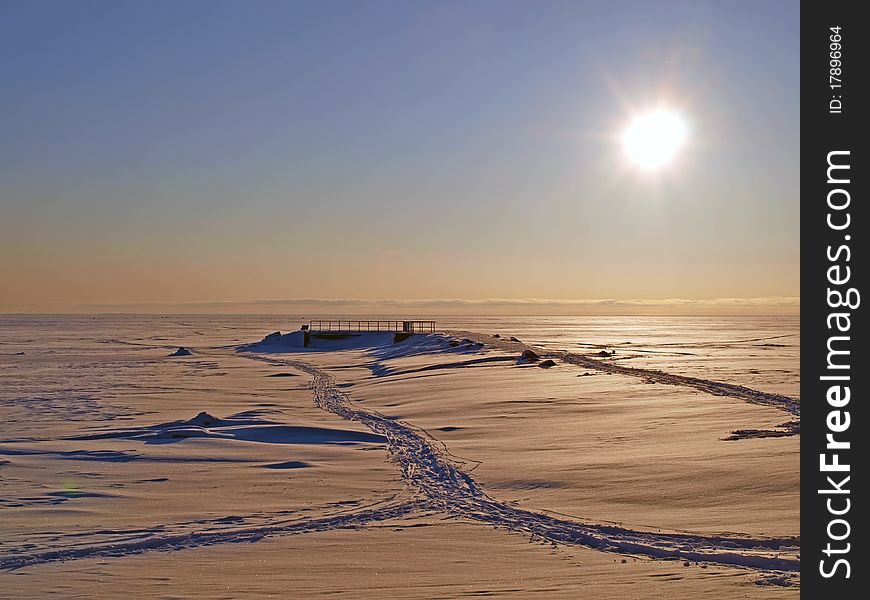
[(219, 151)]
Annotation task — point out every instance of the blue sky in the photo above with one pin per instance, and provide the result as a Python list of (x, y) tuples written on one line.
[(203, 151)]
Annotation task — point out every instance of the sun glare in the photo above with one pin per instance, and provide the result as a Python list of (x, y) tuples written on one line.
[(652, 140)]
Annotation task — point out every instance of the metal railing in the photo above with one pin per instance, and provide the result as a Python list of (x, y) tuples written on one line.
[(354, 326)]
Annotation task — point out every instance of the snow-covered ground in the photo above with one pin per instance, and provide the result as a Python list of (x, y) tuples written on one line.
[(656, 456)]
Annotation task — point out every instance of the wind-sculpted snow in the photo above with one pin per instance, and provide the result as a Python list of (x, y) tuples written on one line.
[(428, 467), (439, 484), (715, 388)]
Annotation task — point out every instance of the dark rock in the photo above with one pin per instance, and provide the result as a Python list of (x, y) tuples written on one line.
[(182, 351), (513, 339), (546, 364), (204, 419), (529, 356), (604, 353), (497, 336)]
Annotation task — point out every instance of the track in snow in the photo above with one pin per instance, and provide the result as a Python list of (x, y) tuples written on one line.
[(125, 546), (715, 388), (445, 486), (441, 485)]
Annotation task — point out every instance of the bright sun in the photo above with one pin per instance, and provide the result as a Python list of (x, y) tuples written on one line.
[(652, 140)]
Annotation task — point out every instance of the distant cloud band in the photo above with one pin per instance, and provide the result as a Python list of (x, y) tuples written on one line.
[(518, 306)]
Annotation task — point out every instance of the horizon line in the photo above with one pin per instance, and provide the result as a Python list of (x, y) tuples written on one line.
[(764, 305)]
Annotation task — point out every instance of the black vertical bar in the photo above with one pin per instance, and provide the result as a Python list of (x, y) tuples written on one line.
[(834, 223)]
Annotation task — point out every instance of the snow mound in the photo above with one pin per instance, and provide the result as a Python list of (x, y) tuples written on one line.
[(246, 427), (381, 344)]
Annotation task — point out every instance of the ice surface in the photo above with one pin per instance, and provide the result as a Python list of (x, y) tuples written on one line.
[(636, 461)]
